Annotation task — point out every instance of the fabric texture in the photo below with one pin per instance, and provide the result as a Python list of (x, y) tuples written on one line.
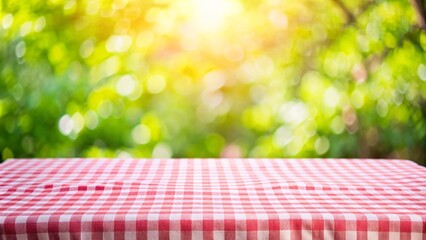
[(212, 199)]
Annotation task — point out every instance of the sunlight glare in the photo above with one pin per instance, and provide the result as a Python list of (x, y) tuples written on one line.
[(210, 15)]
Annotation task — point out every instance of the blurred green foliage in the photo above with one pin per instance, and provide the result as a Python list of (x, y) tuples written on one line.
[(204, 78)]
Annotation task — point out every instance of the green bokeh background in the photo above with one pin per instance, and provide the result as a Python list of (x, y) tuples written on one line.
[(91, 78)]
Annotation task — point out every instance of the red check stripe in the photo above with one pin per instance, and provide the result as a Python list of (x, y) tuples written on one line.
[(212, 199)]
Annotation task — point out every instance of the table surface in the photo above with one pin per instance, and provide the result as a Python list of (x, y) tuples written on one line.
[(212, 199)]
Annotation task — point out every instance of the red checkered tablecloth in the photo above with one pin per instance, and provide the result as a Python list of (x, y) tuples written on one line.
[(212, 199)]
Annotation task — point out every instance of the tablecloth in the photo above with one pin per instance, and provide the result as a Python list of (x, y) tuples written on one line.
[(212, 199)]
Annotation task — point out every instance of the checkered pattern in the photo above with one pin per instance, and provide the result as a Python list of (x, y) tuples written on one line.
[(212, 199)]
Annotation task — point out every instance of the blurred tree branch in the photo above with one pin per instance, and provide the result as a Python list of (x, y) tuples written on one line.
[(413, 36), (419, 8), (352, 20), (350, 17), (323, 44)]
